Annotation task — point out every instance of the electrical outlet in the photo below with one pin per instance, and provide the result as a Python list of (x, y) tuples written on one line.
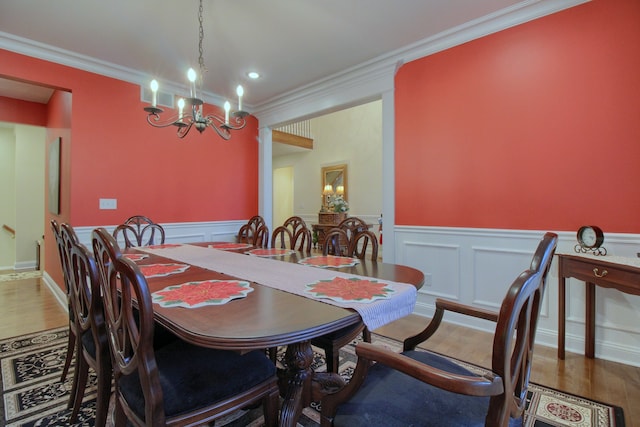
[(428, 280), (108, 203)]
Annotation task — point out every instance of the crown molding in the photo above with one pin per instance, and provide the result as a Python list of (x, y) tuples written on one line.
[(56, 55)]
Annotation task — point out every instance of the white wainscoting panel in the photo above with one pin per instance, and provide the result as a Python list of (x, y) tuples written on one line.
[(476, 267), (438, 262), (184, 232)]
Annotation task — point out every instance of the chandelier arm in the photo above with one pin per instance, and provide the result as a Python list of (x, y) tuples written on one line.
[(235, 123), (154, 120), (183, 130), (221, 131)]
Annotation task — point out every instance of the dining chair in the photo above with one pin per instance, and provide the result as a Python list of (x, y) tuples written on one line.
[(139, 230), (353, 225), (247, 233), (294, 223), (92, 350), (418, 387), (332, 342), (283, 237), (302, 240), (360, 242), (179, 383), (336, 242), (64, 262), (261, 238)]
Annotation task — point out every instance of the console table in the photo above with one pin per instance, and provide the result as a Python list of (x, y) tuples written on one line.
[(606, 271)]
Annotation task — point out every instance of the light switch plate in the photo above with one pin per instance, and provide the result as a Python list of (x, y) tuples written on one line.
[(108, 203)]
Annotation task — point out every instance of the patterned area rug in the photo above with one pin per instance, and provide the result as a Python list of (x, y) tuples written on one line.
[(33, 395), (6, 277)]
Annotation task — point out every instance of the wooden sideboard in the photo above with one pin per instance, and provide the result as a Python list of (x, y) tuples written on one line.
[(327, 221), (619, 273)]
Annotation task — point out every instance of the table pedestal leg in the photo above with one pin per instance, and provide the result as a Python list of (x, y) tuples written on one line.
[(299, 385)]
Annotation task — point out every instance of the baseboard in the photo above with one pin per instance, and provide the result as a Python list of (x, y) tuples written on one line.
[(57, 292)]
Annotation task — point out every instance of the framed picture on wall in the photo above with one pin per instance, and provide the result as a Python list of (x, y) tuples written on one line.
[(54, 176)]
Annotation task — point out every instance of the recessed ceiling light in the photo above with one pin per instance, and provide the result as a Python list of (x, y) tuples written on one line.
[(253, 75)]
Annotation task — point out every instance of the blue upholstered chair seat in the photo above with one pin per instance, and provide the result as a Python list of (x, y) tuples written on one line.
[(390, 398), (209, 376), (88, 344)]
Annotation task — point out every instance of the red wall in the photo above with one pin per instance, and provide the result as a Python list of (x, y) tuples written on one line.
[(109, 151), (116, 154), (535, 127), (24, 112), (58, 126)]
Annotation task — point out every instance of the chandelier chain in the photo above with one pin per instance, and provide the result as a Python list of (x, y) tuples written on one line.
[(203, 69)]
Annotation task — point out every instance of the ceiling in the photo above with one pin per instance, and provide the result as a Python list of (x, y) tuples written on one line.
[(292, 43)]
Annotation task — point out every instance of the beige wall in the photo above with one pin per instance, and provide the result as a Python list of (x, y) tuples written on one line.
[(353, 137), (22, 193), (7, 196)]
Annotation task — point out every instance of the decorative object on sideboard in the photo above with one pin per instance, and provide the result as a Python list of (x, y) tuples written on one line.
[(194, 116), (338, 204), (590, 239), (327, 192)]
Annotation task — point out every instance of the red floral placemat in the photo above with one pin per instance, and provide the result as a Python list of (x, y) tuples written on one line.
[(200, 294), (136, 257), (160, 270), (230, 246), (164, 246), (350, 289), (330, 261), (270, 252)]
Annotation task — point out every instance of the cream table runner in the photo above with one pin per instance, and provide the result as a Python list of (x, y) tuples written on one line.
[(292, 278)]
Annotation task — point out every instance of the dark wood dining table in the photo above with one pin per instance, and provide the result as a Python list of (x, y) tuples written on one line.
[(268, 317)]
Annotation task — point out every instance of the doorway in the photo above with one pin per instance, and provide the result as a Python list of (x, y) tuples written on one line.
[(282, 194), (22, 149)]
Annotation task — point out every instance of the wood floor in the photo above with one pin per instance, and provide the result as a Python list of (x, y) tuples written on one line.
[(28, 306)]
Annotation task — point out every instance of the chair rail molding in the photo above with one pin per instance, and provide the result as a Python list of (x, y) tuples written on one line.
[(181, 232)]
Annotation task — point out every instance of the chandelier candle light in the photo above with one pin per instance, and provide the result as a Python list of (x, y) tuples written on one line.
[(194, 116)]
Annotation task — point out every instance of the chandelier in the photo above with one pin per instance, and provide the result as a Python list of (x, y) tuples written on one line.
[(190, 109)]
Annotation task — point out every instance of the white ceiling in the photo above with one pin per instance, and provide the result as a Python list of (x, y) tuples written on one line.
[(292, 43)]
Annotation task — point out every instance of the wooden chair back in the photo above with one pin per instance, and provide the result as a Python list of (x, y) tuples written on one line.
[(85, 286), (360, 242), (336, 242), (130, 332), (261, 238), (302, 240), (139, 230), (294, 224), (89, 320), (284, 238), (353, 225), (515, 334), (248, 231), (63, 252)]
